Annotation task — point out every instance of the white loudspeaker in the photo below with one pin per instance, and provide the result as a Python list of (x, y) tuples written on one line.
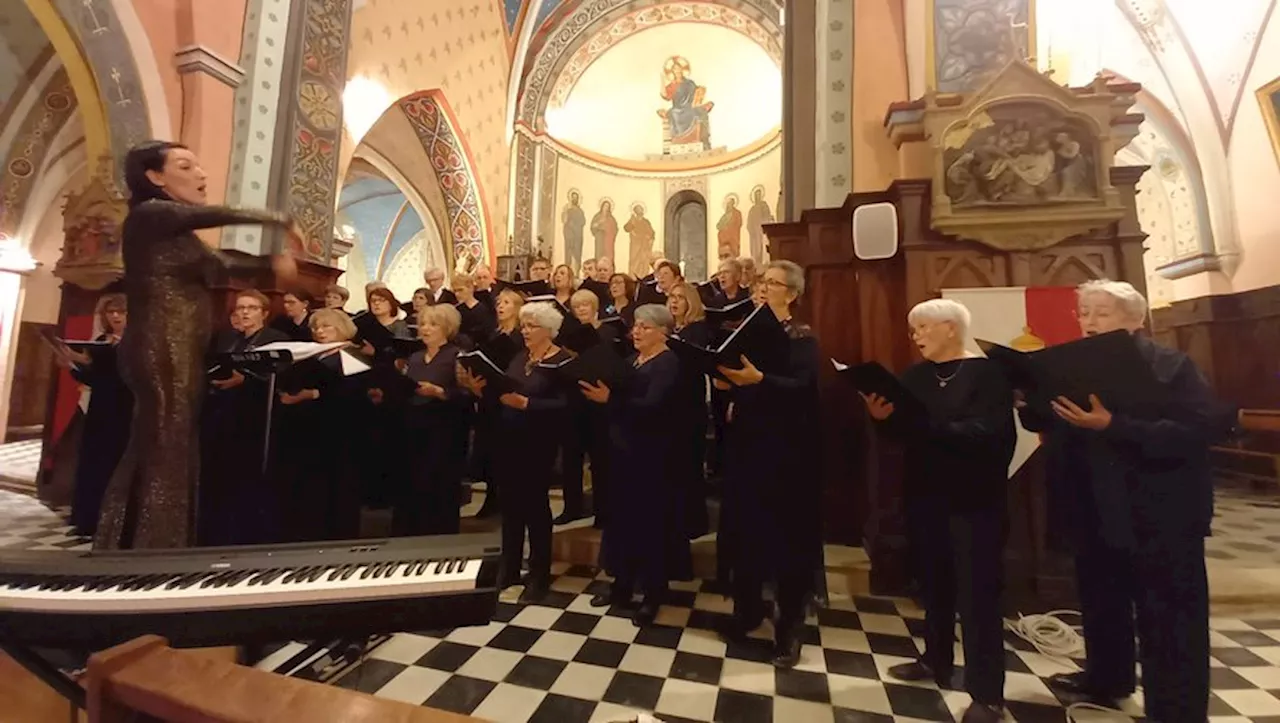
[(875, 231)]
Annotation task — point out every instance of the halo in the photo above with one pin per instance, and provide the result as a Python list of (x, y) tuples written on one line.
[(737, 202), (603, 201), (569, 194), (759, 187), (636, 204)]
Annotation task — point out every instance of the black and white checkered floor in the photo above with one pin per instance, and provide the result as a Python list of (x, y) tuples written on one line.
[(563, 661)]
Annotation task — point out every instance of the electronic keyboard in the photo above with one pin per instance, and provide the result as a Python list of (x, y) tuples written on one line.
[(250, 594)]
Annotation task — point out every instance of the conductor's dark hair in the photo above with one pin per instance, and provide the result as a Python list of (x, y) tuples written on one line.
[(146, 156), (302, 295)]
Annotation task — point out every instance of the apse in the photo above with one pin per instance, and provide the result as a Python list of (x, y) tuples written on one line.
[(660, 134)]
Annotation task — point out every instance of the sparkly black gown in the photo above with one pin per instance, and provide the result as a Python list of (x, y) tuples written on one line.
[(168, 271)]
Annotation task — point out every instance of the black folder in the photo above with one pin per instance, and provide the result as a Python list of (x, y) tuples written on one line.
[(648, 293), (578, 337), (86, 345), (500, 349), (707, 292), (600, 289), (760, 338), (480, 365), (1109, 365), (873, 378), (600, 363), (728, 316), (531, 288), (369, 329), (393, 383)]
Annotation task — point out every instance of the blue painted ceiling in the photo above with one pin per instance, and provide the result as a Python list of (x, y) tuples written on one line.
[(370, 205)]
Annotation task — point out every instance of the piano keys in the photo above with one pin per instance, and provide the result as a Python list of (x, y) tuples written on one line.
[(248, 594)]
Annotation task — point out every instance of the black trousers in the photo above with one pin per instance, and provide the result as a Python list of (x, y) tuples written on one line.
[(791, 590), (961, 567), (1167, 587), (524, 474)]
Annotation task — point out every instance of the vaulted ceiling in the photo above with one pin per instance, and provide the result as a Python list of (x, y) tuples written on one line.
[(23, 50)]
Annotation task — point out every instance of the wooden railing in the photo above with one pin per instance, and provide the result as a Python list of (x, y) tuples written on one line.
[(1260, 420), (147, 680)]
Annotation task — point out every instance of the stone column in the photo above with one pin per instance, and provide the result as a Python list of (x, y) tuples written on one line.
[(833, 89), (524, 180), (288, 119), (257, 108), (799, 108)]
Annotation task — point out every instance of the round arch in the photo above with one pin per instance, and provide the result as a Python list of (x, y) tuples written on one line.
[(436, 127), (102, 68), (560, 42)]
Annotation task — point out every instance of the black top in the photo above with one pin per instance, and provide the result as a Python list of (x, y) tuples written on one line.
[(541, 383), (478, 323), (296, 332), (1145, 479), (439, 370), (962, 449)]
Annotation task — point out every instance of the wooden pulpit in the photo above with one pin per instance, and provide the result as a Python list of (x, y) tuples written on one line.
[(858, 312)]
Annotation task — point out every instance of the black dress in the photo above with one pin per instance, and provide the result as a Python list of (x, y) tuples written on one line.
[(168, 272), (479, 322), (501, 348), (690, 419), (106, 432), (381, 430), (318, 452), (954, 488), (524, 467), (296, 332), (238, 504), (436, 440), (770, 523), (645, 543)]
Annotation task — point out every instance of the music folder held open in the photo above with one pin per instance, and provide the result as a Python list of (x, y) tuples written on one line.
[(1109, 365), (760, 338), (873, 378), (480, 365)]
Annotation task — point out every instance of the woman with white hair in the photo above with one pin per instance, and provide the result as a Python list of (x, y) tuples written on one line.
[(531, 422), (644, 543), (956, 470), (770, 526), (1135, 487)]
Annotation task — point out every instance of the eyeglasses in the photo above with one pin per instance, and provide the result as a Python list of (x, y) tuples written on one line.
[(775, 284)]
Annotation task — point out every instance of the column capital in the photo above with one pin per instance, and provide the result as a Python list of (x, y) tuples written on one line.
[(201, 59)]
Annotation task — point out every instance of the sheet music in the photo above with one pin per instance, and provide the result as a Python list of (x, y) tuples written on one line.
[(301, 350), (839, 367)]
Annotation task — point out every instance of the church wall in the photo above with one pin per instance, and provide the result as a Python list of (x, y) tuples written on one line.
[(460, 48), (880, 77), (1255, 174), (625, 191), (392, 137), (43, 292)]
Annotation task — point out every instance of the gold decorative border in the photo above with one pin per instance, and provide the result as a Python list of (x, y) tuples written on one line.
[(1269, 117)]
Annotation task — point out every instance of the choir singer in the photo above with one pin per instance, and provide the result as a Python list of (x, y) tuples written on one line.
[(1135, 489), (531, 423), (644, 543), (957, 464), (770, 515)]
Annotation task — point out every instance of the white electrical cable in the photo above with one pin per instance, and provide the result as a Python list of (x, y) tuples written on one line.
[(1054, 638)]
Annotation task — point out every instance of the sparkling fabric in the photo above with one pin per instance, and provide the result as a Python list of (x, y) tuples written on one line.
[(168, 271)]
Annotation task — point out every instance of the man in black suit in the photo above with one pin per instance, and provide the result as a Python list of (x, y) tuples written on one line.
[(434, 278)]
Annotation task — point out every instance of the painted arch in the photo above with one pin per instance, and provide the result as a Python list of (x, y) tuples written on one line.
[(558, 43), (437, 129)]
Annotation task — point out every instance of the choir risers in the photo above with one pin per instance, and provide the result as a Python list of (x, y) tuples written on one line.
[(212, 596)]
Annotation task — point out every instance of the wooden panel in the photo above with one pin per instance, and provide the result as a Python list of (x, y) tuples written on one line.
[(32, 376), (1233, 338)]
